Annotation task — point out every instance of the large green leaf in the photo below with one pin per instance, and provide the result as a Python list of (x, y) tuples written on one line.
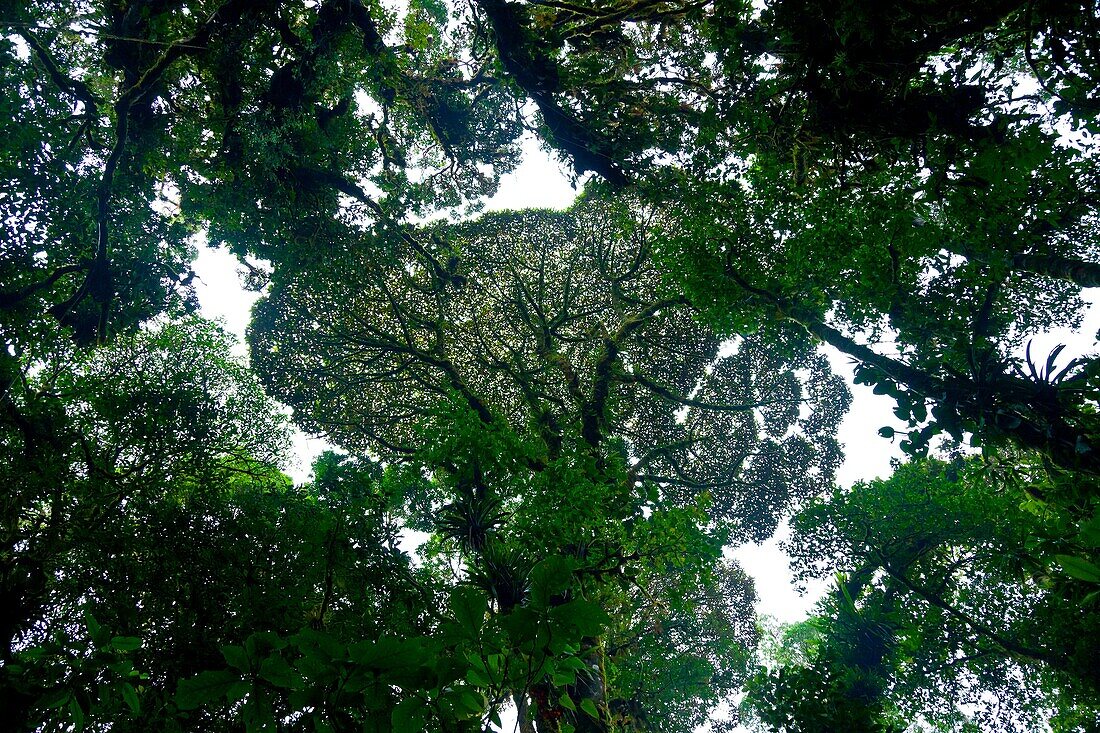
[(278, 672), (1079, 568), (549, 578), (409, 716), (125, 643), (131, 698), (585, 617), (236, 657), (389, 652), (204, 688), (469, 605)]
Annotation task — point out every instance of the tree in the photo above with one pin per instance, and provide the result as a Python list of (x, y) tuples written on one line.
[(273, 157), (555, 325), (101, 448), (539, 376), (141, 121), (951, 605), (957, 311), (910, 111)]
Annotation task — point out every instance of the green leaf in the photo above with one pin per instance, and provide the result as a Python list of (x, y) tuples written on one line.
[(238, 690), (574, 663), (1089, 531), (590, 707), (521, 625), (561, 679), (409, 716), (131, 698), (205, 687), (477, 678), (1079, 568), (469, 604), (77, 714), (278, 672), (123, 668), (585, 616), (258, 714), (467, 702), (389, 652), (236, 657), (125, 643), (98, 634), (567, 702), (261, 643), (842, 584), (319, 644), (549, 578), (55, 698)]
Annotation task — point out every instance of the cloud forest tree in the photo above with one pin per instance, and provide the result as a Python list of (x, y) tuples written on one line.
[(557, 325), (556, 386), (96, 445), (551, 331)]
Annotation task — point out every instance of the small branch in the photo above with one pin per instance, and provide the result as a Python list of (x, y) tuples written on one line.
[(7, 300), (668, 394)]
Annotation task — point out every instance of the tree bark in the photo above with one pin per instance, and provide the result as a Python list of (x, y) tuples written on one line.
[(1083, 273), (1080, 272)]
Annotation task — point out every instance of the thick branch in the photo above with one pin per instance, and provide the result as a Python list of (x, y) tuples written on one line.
[(537, 75), (66, 84), (1009, 645), (994, 408), (668, 394), (7, 300), (1085, 274)]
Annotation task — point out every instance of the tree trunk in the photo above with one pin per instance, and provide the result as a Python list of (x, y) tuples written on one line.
[(537, 75), (523, 717)]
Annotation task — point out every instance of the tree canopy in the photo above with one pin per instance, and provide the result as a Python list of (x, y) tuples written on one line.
[(575, 413)]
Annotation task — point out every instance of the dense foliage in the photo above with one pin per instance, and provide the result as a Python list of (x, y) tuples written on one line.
[(574, 414)]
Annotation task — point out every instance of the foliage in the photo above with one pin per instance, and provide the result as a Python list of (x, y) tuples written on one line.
[(950, 606), (579, 409), (537, 375), (555, 326)]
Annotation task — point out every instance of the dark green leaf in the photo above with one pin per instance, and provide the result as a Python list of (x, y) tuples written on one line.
[(585, 616), (236, 657), (469, 605), (76, 714), (279, 673), (1079, 568), (409, 716), (549, 578), (204, 688), (125, 643), (131, 698)]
